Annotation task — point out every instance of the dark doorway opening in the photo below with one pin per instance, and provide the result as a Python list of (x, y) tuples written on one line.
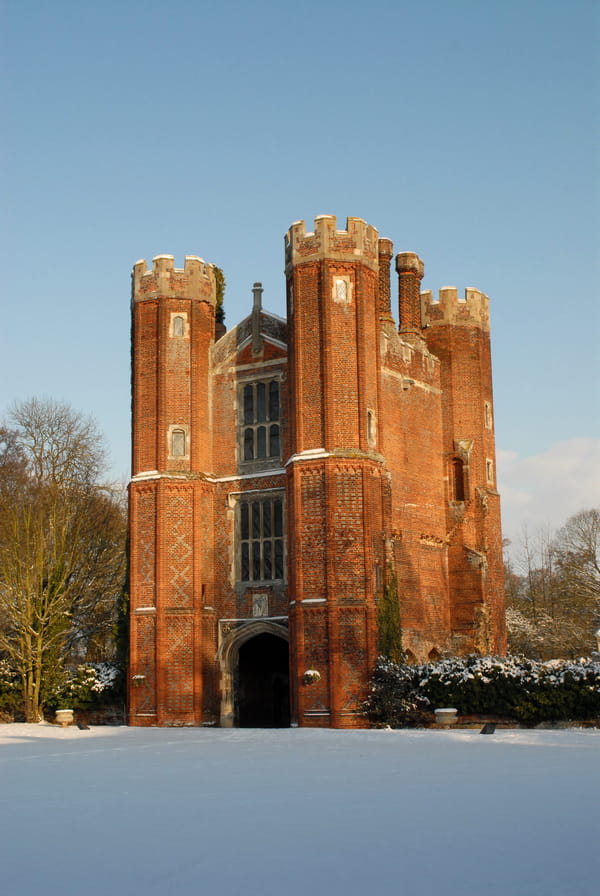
[(263, 691)]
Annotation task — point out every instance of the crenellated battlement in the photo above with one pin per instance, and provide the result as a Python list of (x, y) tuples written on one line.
[(470, 310), (358, 241), (196, 280)]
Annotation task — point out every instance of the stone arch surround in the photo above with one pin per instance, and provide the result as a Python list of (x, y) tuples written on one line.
[(228, 657)]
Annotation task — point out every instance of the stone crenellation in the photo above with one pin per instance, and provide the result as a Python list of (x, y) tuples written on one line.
[(326, 241), (195, 279), (468, 310)]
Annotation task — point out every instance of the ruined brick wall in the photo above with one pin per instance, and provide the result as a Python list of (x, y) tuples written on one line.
[(458, 334)]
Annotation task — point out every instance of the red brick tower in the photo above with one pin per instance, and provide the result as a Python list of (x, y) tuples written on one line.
[(335, 472), (170, 503), (458, 333), (285, 470)]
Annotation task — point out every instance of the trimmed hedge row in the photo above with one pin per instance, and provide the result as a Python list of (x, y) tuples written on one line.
[(512, 687)]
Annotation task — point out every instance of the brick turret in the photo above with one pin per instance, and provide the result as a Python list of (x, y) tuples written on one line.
[(173, 329), (458, 333), (335, 471)]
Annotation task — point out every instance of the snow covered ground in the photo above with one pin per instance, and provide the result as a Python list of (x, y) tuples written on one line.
[(298, 812)]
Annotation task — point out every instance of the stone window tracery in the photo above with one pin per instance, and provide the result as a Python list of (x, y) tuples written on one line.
[(261, 538), (261, 412)]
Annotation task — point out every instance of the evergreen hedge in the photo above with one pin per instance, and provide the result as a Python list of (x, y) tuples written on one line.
[(512, 687)]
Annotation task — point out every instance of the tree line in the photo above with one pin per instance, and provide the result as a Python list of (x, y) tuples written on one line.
[(553, 590), (62, 547)]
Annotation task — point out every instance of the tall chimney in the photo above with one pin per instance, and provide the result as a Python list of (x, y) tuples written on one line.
[(410, 270)]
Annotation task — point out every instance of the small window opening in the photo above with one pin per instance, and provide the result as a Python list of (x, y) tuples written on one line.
[(178, 443), (378, 577), (341, 290), (487, 410), (458, 478), (178, 326), (371, 428)]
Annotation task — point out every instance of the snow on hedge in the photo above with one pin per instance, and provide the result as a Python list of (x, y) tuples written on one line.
[(512, 686)]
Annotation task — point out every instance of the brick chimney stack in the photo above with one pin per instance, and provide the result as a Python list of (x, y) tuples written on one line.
[(257, 291), (385, 251), (410, 270)]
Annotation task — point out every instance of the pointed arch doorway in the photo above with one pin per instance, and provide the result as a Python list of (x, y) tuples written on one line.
[(254, 660)]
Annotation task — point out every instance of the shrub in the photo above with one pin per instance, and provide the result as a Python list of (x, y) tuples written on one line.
[(10, 693), (89, 685), (518, 688), (394, 697)]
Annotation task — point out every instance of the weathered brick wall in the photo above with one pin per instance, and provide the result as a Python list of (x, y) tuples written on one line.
[(459, 335)]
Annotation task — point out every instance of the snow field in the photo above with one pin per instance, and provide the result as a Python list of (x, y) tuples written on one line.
[(296, 811)]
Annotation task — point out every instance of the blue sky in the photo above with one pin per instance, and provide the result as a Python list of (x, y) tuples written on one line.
[(464, 131)]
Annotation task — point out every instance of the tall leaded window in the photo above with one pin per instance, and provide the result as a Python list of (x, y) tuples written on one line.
[(260, 420), (261, 539)]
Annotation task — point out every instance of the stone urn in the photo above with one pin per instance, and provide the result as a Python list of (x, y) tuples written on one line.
[(446, 716), (64, 717)]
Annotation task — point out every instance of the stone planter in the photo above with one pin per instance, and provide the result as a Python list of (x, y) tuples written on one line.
[(446, 717), (64, 717)]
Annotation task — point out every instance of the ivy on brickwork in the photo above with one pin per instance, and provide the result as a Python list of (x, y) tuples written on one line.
[(221, 283), (388, 620)]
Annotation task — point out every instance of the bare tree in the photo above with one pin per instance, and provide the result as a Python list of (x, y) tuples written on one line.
[(553, 590), (577, 554), (62, 543)]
